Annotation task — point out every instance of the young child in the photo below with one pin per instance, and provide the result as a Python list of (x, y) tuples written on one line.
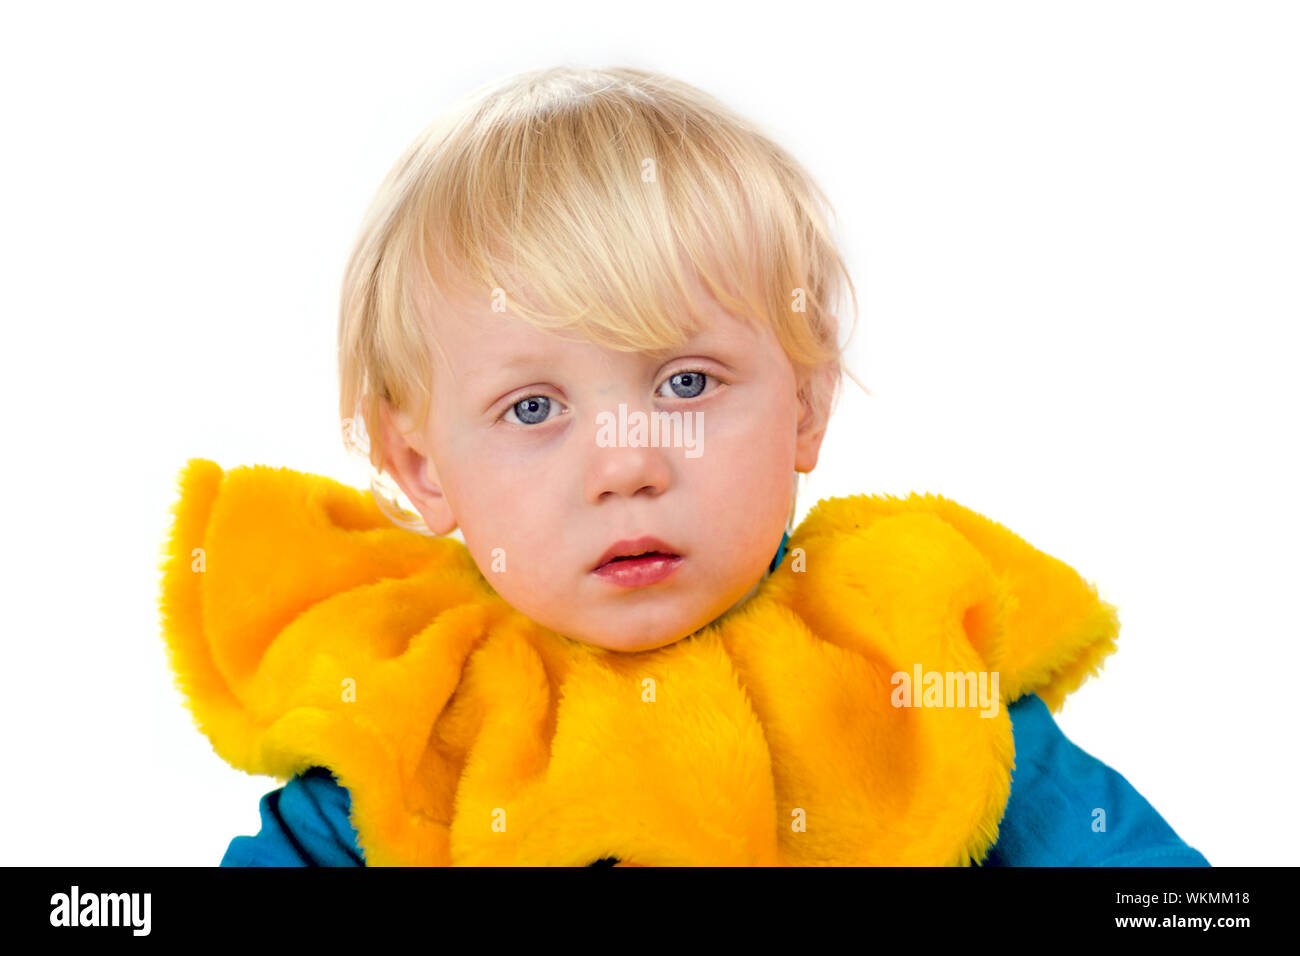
[(592, 315)]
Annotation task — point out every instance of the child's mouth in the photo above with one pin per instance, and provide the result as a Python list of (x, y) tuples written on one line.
[(639, 570)]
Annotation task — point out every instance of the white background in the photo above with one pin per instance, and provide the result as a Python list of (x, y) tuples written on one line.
[(1074, 233)]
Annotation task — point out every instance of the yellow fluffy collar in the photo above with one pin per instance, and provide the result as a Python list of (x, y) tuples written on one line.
[(305, 630)]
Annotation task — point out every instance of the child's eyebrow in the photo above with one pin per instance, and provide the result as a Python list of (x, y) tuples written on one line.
[(522, 360), (704, 341), (708, 340), (517, 361), (485, 381)]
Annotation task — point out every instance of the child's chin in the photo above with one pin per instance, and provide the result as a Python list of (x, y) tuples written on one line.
[(634, 643)]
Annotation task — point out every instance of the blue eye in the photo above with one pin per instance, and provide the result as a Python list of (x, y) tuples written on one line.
[(688, 383), (532, 410)]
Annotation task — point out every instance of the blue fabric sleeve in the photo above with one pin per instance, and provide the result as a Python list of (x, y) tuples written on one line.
[(1056, 790), (304, 823)]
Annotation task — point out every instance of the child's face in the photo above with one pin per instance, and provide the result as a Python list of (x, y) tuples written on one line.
[(539, 494)]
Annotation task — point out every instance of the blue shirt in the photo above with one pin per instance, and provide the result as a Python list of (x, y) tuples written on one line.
[(1050, 820)]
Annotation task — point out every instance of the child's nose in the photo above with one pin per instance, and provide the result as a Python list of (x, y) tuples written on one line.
[(624, 470)]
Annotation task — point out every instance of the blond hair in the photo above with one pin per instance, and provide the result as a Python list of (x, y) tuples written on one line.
[(600, 199)]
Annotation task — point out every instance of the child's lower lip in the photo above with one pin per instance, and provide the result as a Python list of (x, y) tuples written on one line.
[(638, 572)]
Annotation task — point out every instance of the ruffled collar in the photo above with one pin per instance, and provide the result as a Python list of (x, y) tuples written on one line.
[(305, 630)]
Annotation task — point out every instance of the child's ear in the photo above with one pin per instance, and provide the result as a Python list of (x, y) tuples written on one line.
[(407, 460), (814, 393)]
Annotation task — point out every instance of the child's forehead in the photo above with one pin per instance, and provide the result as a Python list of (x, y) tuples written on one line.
[(476, 337)]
